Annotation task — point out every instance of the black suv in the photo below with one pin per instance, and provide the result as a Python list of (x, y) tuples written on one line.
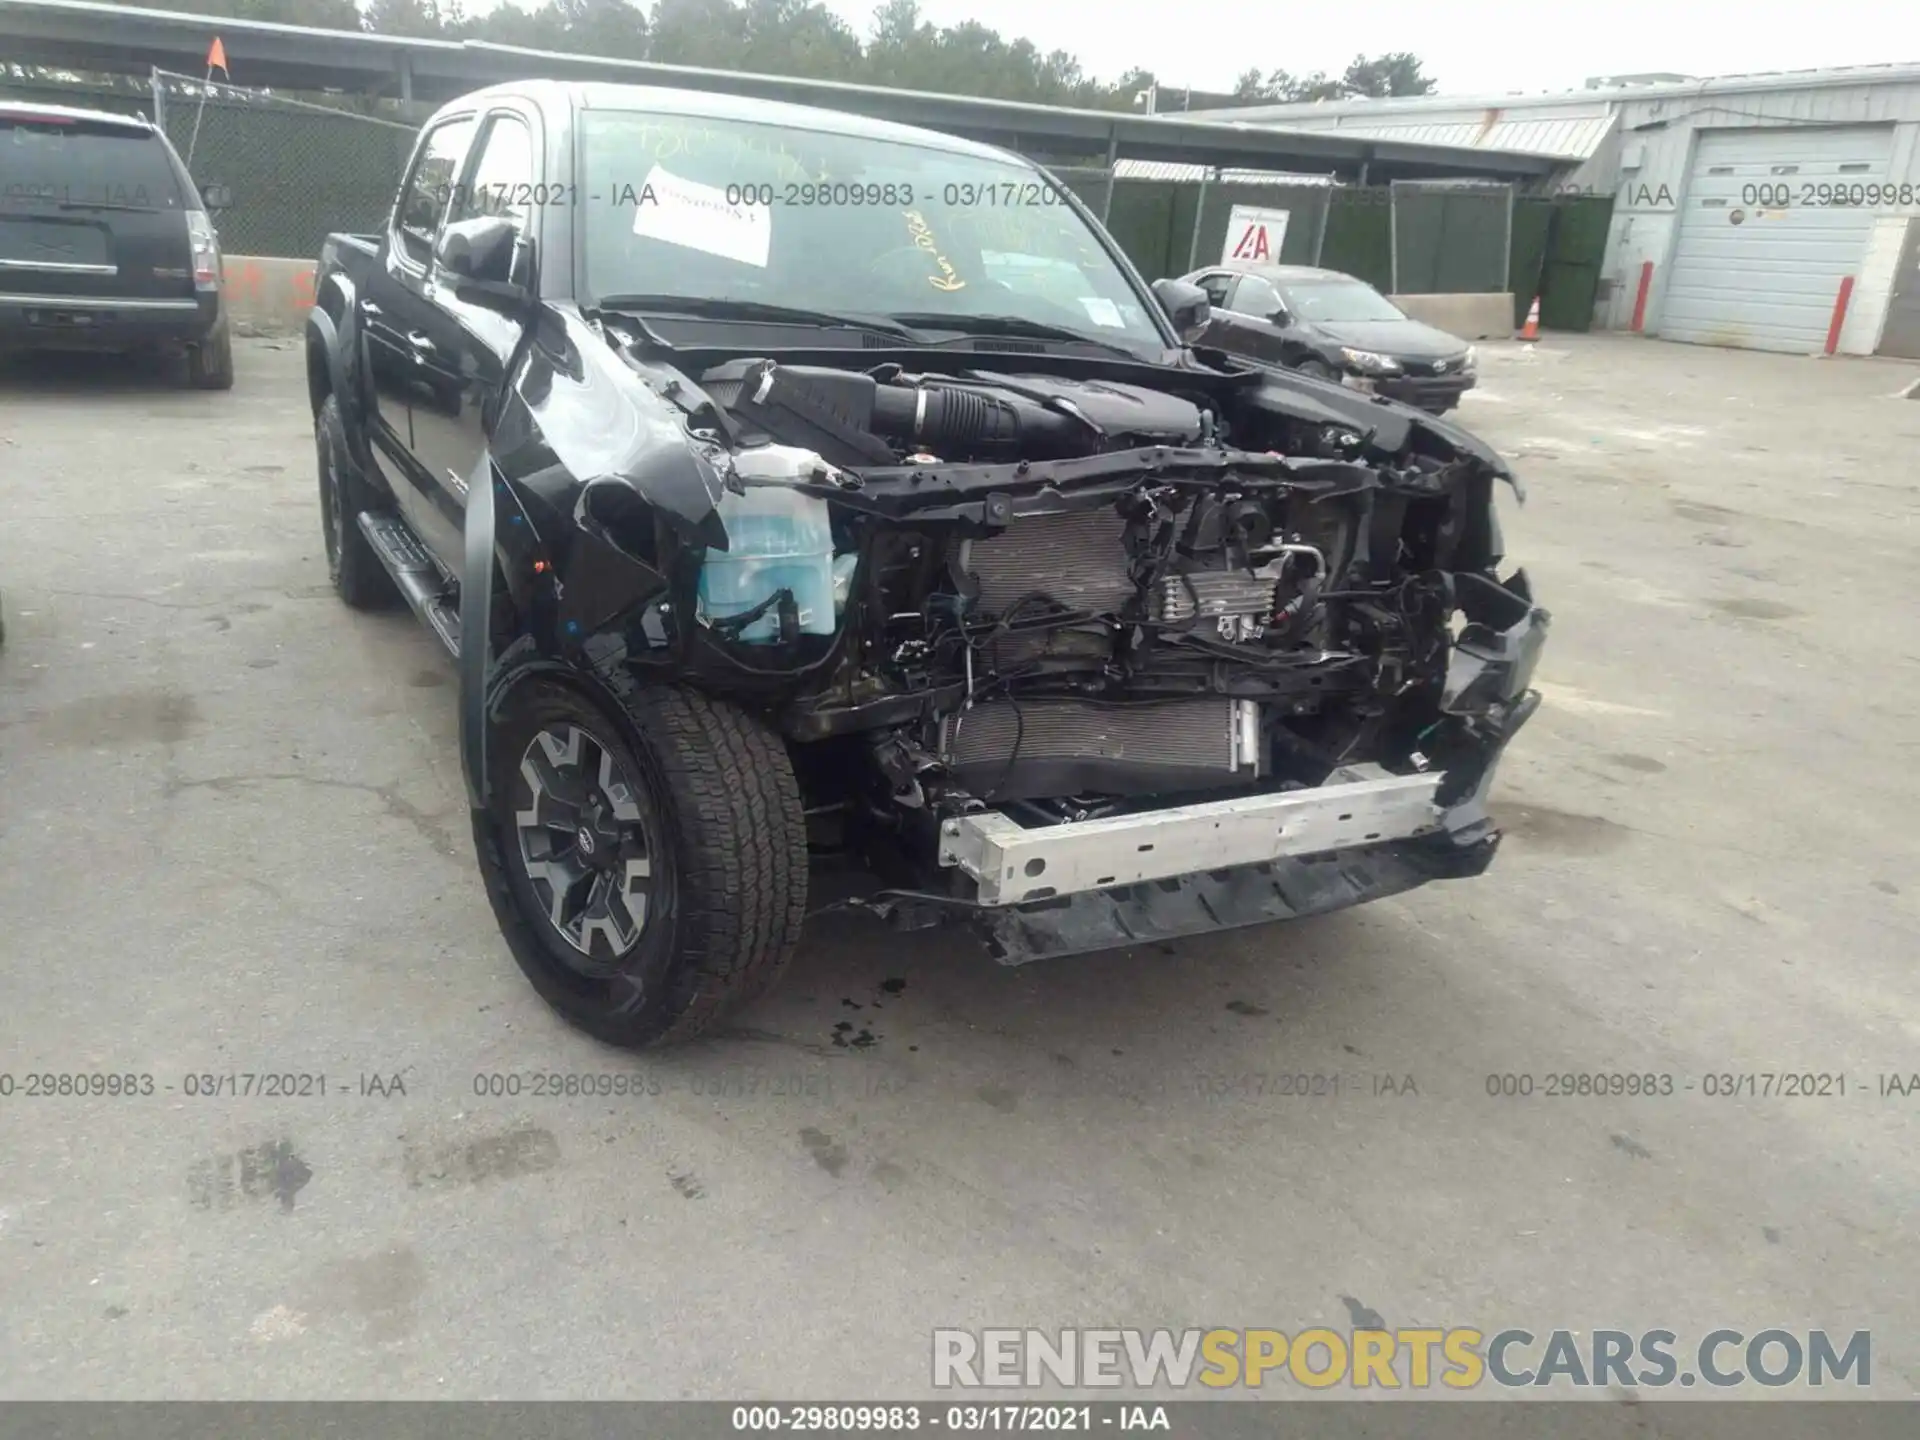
[(1332, 326), (106, 243)]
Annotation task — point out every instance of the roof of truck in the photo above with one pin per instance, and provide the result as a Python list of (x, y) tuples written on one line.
[(713, 105), (33, 109)]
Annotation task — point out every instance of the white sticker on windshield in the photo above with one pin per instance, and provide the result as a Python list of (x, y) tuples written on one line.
[(1102, 311), (685, 212)]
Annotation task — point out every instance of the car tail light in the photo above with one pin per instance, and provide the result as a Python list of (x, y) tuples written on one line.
[(206, 251)]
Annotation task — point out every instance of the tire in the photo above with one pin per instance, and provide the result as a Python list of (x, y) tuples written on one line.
[(1317, 370), (356, 572), (210, 363), (714, 811)]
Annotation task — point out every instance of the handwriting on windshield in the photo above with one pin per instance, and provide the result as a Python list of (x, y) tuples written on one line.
[(922, 235)]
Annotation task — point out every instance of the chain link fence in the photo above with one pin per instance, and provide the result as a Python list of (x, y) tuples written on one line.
[(293, 169)]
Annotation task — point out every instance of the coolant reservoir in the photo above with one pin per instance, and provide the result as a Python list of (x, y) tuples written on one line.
[(777, 539)]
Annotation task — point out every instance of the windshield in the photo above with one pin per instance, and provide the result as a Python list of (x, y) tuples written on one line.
[(58, 161), (847, 224), (1337, 300)]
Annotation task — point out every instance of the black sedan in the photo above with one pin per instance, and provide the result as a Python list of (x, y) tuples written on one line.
[(1324, 323)]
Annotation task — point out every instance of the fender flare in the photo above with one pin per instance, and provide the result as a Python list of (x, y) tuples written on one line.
[(475, 663), (321, 327), (334, 318), (485, 679)]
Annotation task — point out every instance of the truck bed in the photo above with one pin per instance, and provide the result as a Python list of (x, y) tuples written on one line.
[(348, 252)]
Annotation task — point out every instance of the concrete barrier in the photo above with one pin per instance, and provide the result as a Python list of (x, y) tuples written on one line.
[(1471, 317), (267, 294)]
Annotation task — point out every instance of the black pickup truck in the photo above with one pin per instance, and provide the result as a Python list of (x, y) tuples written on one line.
[(802, 495)]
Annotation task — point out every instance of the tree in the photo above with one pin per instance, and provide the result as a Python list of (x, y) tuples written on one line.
[(508, 24), (806, 38), (1395, 73), (697, 32), (611, 28), (316, 14), (799, 37), (419, 18), (906, 52)]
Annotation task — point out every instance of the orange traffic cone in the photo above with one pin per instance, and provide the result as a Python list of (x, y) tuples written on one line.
[(1531, 330)]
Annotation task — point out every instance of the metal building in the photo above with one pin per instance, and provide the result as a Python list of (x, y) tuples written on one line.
[(1772, 212)]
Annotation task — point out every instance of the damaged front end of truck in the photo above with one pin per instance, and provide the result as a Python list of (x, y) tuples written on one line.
[(1079, 652)]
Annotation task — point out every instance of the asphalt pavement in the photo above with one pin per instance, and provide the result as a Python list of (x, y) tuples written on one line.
[(233, 843)]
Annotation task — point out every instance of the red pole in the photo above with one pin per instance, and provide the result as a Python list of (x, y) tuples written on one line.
[(1640, 300), (1839, 313)]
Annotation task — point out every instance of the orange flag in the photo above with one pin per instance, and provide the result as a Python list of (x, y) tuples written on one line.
[(217, 57)]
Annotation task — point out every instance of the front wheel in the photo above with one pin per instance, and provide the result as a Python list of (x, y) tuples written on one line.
[(646, 860)]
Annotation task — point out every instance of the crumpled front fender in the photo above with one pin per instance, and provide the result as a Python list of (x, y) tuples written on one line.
[(577, 410), (1389, 424)]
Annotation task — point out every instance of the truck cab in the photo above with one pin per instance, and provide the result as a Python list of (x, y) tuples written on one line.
[(795, 488)]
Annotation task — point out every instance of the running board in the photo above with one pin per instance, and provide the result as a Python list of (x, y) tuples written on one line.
[(419, 580)]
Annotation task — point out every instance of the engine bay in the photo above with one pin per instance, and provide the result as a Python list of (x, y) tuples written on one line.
[(1069, 596)]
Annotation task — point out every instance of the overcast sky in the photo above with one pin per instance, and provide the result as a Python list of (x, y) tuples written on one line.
[(1471, 46)]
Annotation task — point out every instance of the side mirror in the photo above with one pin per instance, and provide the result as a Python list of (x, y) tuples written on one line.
[(1187, 307), (1281, 316), (215, 198), (477, 256)]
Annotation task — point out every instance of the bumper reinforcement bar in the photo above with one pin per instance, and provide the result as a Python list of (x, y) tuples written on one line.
[(1358, 806)]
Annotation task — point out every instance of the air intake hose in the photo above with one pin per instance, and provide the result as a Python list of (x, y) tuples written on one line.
[(962, 420)]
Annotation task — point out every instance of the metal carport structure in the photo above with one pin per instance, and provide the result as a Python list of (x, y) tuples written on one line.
[(80, 35)]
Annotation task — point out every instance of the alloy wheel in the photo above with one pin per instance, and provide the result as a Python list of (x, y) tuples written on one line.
[(585, 835)]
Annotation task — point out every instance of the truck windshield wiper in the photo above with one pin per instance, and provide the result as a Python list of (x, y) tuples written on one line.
[(1012, 325), (719, 308)]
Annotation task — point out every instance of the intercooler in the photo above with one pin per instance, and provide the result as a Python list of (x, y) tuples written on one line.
[(1025, 749), (1006, 749)]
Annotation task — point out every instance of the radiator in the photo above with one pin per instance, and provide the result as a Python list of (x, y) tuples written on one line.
[(1078, 560)]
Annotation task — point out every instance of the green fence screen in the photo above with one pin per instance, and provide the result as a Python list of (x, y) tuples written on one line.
[(1450, 238), (1558, 247)]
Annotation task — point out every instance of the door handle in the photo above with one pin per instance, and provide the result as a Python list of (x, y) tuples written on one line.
[(420, 342), (367, 307)]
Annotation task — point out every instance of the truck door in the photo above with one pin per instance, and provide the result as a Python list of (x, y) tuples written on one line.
[(394, 307), (463, 362)]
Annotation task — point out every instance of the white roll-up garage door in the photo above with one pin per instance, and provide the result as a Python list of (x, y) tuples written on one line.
[(1762, 245)]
